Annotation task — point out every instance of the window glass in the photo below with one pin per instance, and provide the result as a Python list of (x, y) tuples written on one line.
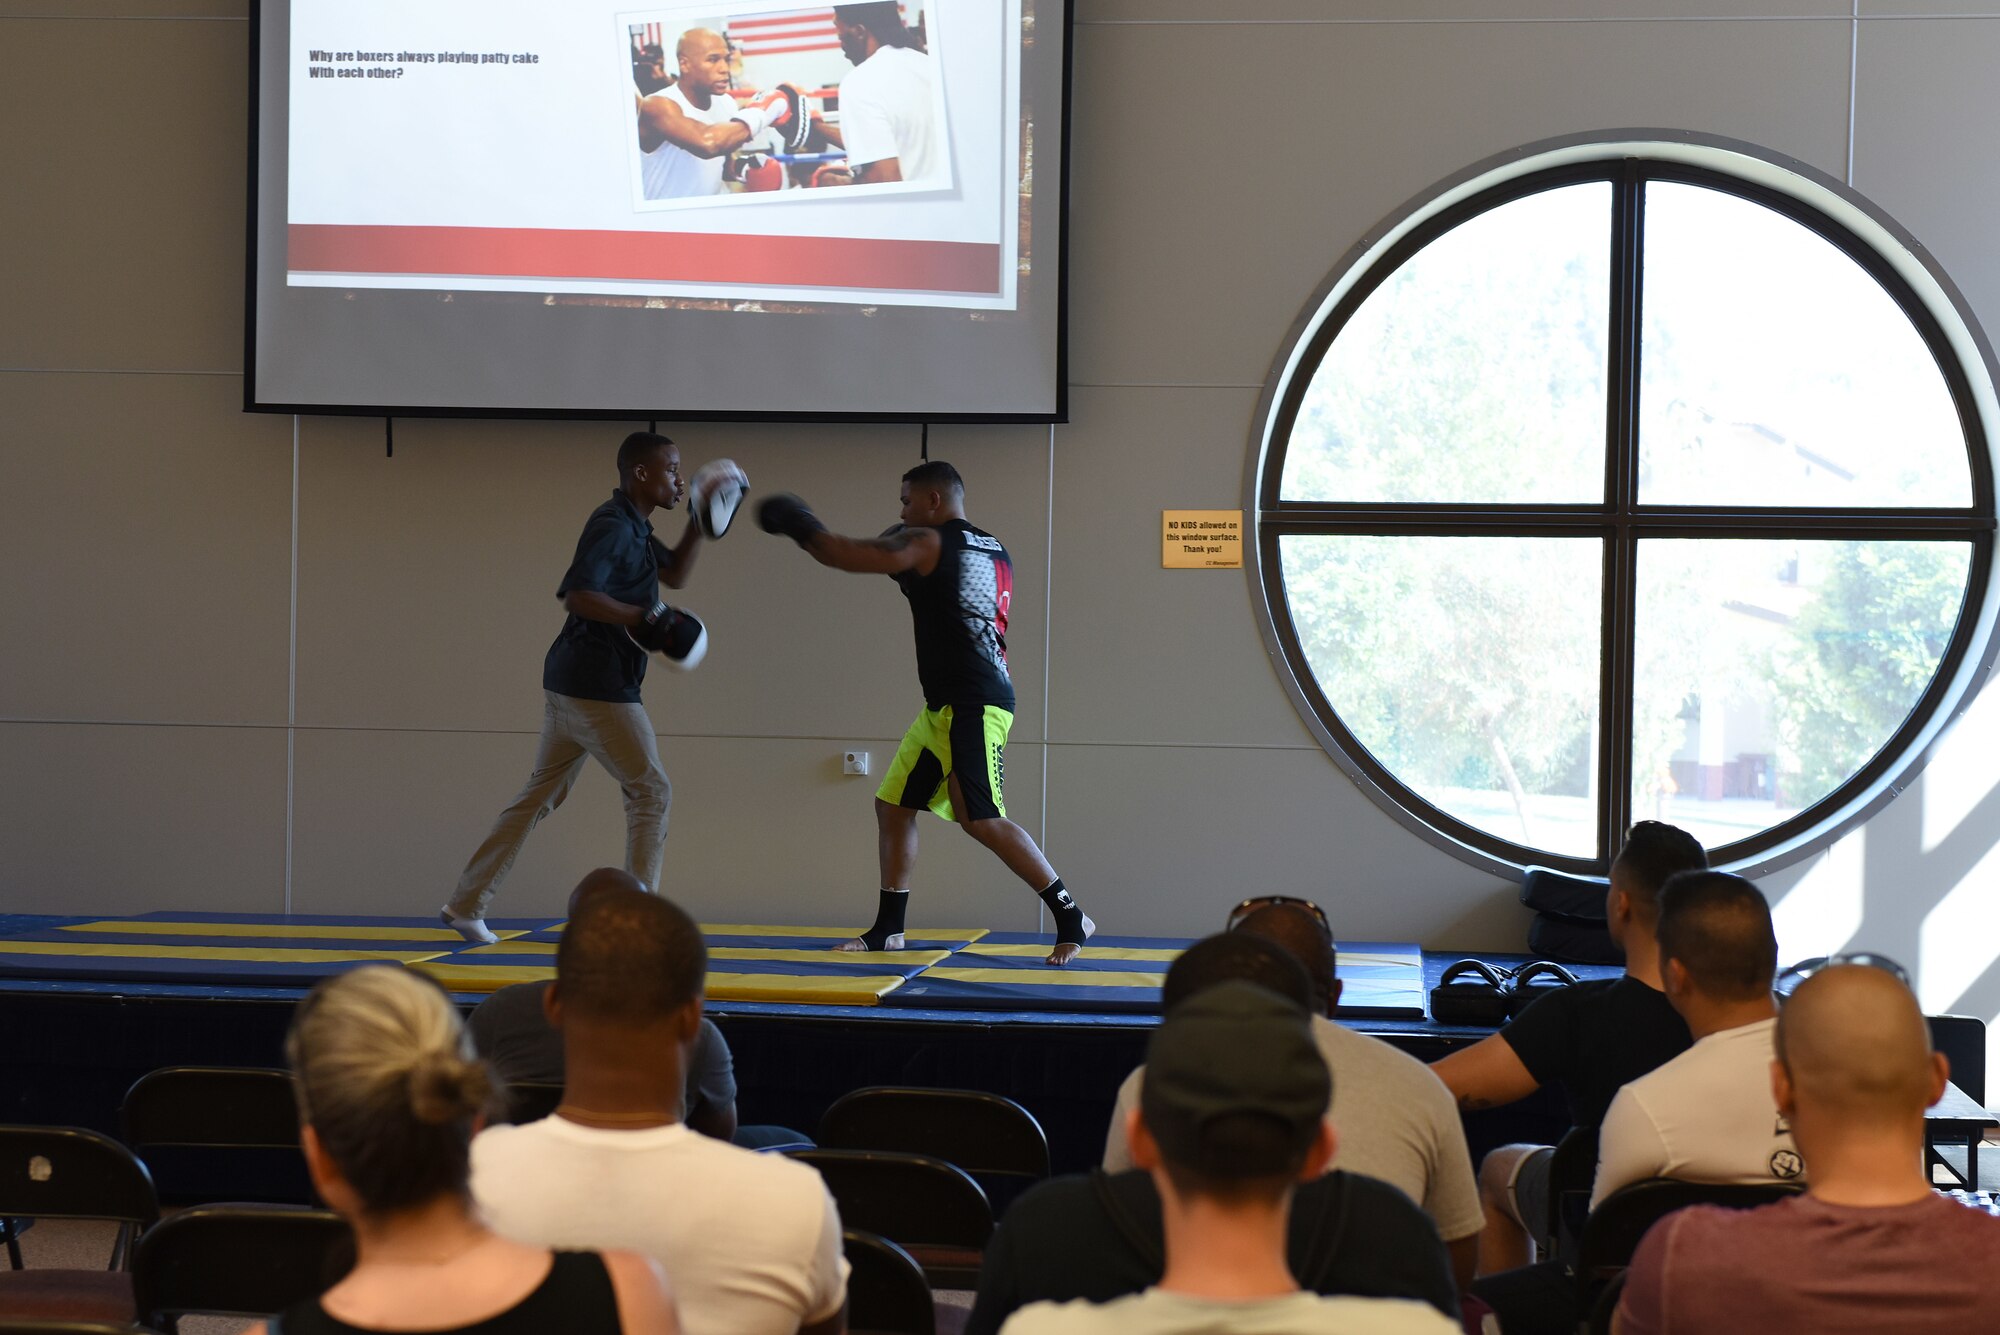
[(1467, 666), (1767, 673), (1777, 371), (1476, 371)]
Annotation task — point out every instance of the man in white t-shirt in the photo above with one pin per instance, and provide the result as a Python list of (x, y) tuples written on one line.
[(1398, 1123), (1709, 1114), (686, 131), (1231, 1119), (751, 1242), (888, 108)]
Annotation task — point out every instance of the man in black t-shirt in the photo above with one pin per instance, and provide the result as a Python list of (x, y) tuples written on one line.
[(591, 677), (960, 584), (1588, 1040)]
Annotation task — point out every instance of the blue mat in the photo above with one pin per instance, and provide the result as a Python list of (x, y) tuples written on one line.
[(1122, 975)]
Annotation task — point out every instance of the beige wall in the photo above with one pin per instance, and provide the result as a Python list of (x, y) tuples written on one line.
[(169, 742)]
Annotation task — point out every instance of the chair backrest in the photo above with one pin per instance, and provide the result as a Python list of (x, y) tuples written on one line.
[(237, 1260), (887, 1293), (1621, 1220), (977, 1131), (240, 1107), (59, 1172), (531, 1101), (1962, 1039), (1571, 1170), (33, 1327), (911, 1199)]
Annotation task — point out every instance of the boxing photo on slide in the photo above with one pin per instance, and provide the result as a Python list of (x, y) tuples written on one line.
[(744, 104)]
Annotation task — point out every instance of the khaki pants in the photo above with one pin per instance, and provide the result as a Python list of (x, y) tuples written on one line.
[(620, 737)]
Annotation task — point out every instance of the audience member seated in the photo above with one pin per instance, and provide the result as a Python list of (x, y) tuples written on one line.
[(751, 1241), (388, 1094), (512, 1032), (1869, 1247), (1397, 1121), (1230, 1119), (1099, 1237), (1707, 1115), (1586, 1040)]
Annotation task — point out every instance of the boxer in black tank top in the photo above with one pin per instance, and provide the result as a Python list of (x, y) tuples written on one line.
[(960, 584)]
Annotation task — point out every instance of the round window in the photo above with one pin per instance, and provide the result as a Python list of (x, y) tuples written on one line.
[(1630, 479)]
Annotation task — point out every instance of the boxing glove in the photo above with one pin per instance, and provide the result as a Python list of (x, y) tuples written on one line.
[(787, 514), (673, 633), (714, 493)]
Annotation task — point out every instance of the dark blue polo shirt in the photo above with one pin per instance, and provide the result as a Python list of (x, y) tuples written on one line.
[(619, 556)]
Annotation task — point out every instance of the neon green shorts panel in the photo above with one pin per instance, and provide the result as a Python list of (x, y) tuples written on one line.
[(969, 741)]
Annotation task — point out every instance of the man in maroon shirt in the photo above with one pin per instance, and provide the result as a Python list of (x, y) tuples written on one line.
[(1870, 1246)]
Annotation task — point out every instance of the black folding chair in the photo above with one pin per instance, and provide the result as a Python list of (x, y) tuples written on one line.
[(887, 1293), (992, 1138), (237, 1260), (218, 1133), (932, 1210), (1621, 1220), (70, 1173)]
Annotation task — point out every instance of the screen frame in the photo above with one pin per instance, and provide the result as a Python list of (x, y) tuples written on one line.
[(1057, 415)]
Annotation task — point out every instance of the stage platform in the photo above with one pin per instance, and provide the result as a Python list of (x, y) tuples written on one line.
[(87, 1005), (941, 968)]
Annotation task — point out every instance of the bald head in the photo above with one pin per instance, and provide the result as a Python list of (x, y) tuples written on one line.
[(597, 882), (1855, 1045), (1299, 932), (695, 42)]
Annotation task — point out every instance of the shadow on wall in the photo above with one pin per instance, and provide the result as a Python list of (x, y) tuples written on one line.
[(1920, 882)]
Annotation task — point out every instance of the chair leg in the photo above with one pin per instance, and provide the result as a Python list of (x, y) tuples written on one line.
[(12, 1230)]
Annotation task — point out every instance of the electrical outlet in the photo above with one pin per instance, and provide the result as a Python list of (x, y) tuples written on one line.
[(853, 762)]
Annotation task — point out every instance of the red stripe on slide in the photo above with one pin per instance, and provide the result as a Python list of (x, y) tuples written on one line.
[(760, 49), (778, 261), (819, 16)]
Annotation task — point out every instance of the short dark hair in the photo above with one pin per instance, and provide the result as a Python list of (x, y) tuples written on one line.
[(636, 448), (1236, 956), (1302, 937), (1718, 926), (882, 18), (1654, 851), (935, 473), (630, 956)]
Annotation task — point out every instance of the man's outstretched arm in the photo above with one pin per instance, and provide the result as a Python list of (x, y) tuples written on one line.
[(1486, 1075), (893, 553)]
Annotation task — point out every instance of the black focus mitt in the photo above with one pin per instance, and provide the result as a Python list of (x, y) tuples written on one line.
[(674, 634)]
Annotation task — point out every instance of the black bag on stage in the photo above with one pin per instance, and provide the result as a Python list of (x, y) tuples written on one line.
[(1470, 992)]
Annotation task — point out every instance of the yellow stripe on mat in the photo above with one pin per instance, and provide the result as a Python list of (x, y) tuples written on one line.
[(1053, 977), (1343, 958), (323, 933), (912, 958), (823, 989), (107, 950), (1134, 953), (828, 990), (837, 933), (455, 977)]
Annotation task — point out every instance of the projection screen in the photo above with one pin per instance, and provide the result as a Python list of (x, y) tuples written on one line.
[(719, 209)]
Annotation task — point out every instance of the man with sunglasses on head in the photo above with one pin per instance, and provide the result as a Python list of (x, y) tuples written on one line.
[(1588, 1040), (1397, 1120), (1869, 1246)]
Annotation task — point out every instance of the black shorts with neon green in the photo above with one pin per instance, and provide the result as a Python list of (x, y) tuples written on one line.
[(967, 740)]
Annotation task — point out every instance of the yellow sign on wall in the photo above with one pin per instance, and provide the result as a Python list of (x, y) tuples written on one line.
[(1201, 539)]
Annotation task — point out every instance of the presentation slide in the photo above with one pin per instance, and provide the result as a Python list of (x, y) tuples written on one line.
[(721, 208)]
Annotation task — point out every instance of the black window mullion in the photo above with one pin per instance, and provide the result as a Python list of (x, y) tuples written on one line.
[(1621, 495)]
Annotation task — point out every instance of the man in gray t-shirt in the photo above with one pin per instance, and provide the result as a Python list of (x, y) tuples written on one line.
[(510, 1029), (1231, 1118)]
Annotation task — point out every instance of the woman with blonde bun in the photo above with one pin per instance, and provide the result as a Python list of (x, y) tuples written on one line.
[(389, 1098)]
